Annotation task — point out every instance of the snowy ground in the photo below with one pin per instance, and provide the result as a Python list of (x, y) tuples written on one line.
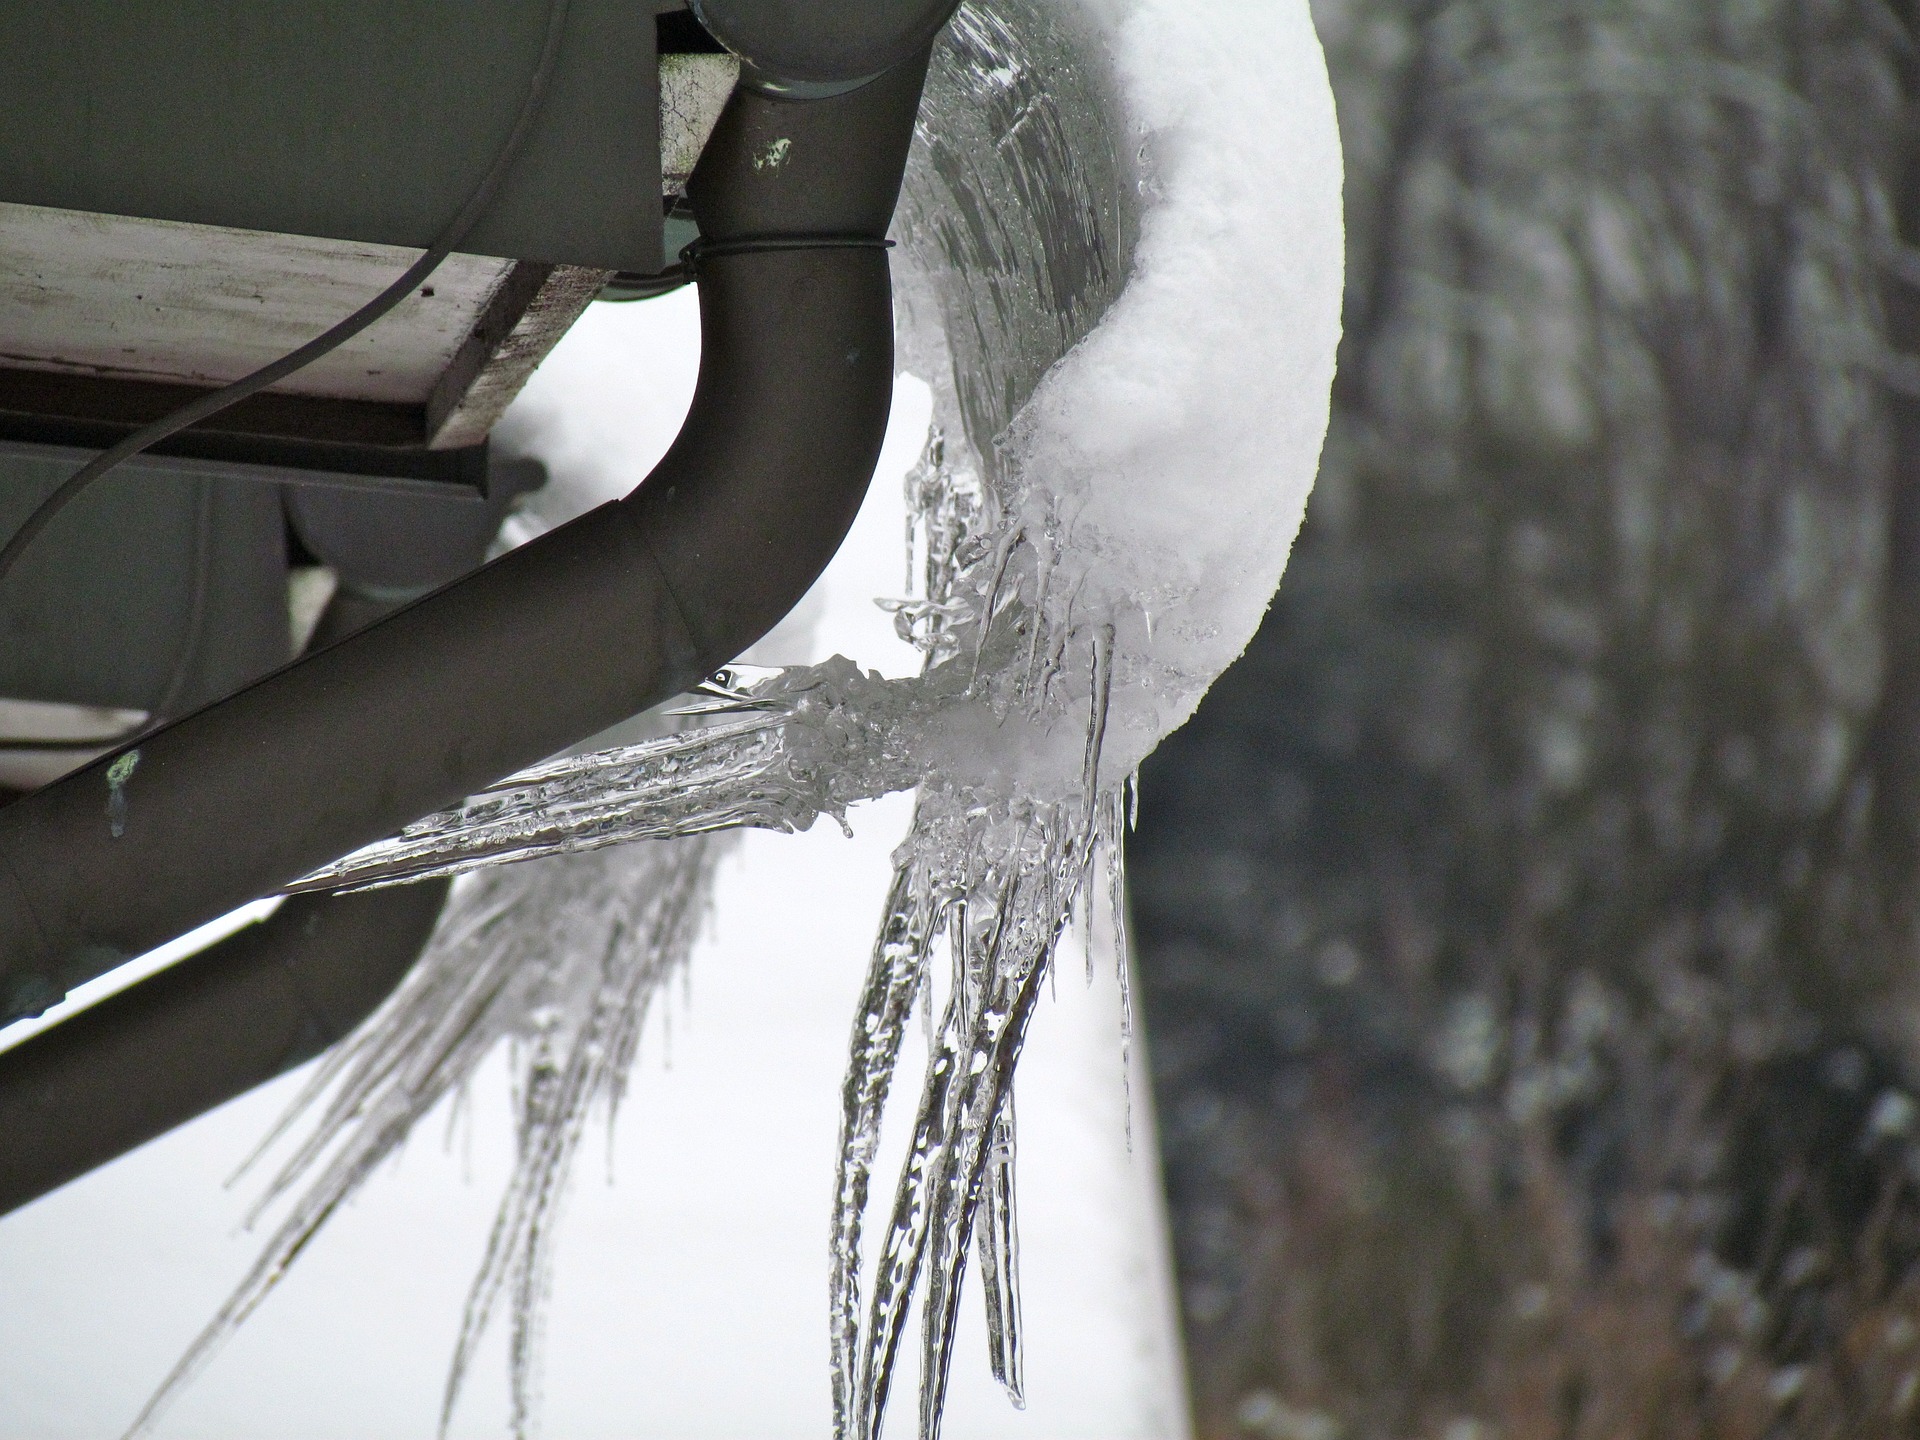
[(690, 1299)]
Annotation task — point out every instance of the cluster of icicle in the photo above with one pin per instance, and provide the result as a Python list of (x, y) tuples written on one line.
[(561, 954), (559, 959), (990, 881), (987, 880)]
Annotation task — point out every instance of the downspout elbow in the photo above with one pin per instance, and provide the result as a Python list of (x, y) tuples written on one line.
[(557, 640)]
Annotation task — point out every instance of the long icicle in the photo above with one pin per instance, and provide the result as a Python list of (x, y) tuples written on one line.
[(481, 978), (1113, 841), (902, 1253), (895, 976), (999, 1033), (975, 971), (998, 1240)]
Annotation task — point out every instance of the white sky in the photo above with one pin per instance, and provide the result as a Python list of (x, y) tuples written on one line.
[(690, 1297)]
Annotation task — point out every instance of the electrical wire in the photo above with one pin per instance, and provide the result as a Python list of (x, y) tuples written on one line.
[(214, 401)]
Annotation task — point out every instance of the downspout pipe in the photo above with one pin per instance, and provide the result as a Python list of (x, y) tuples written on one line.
[(241, 1012), (589, 624), (260, 1002), (784, 47)]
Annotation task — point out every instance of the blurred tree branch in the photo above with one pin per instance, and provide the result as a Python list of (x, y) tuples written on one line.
[(1529, 920)]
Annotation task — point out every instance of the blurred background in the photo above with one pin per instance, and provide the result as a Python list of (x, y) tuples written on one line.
[(1528, 921)]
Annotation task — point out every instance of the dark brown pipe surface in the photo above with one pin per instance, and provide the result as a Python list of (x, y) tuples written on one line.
[(237, 1014), (265, 999), (561, 638)]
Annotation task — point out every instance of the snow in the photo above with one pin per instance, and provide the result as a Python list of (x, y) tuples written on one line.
[(1178, 442), (1144, 498)]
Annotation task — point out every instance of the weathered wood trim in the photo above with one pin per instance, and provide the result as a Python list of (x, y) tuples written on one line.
[(486, 373), (505, 308)]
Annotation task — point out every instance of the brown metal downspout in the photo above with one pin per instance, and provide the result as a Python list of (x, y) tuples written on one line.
[(243, 1011), (582, 628), (178, 1044)]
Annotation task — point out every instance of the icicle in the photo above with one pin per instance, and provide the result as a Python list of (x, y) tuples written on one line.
[(896, 974), (977, 1091), (901, 1254), (1036, 620), (960, 1153), (999, 1245), (926, 1004), (990, 604), (569, 955), (811, 742), (1002, 843), (972, 981), (916, 483), (1101, 697), (1085, 912), (1114, 841)]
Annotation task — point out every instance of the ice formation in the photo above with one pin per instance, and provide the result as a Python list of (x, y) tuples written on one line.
[(560, 960), (1120, 268)]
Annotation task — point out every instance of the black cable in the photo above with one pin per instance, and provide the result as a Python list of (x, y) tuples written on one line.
[(212, 403), (704, 249)]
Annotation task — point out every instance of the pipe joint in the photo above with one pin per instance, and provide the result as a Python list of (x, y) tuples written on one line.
[(802, 50)]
